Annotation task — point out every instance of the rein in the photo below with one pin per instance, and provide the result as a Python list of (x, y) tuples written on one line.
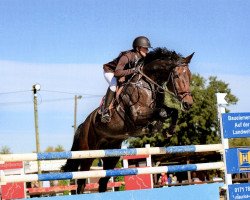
[(156, 84), (172, 94)]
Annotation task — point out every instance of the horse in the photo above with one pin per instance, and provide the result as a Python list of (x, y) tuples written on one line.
[(140, 102)]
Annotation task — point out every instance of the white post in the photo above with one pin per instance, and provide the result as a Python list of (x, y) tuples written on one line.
[(221, 102), (23, 173), (125, 161), (112, 181), (2, 176), (148, 159), (149, 164)]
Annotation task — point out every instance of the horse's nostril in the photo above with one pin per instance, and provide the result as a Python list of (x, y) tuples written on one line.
[(186, 106)]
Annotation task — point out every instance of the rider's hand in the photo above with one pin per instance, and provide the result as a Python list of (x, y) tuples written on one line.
[(121, 80), (136, 69)]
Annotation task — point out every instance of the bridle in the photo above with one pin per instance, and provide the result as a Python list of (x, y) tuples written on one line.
[(180, 95)]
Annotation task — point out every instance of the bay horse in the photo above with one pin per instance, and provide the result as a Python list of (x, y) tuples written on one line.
[(140, 102)]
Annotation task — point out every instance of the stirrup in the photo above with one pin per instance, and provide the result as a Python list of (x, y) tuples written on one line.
[(105, 117)]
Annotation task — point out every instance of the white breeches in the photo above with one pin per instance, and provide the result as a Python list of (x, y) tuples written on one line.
[(111, 79)]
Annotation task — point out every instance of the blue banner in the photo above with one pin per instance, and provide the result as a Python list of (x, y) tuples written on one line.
[(236, 125), (190, 192), (238, 160), (239, 191)]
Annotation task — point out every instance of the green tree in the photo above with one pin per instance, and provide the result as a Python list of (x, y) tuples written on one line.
[(5, 150), (239, 142), (200, 124), (58, 148), (49, 149)]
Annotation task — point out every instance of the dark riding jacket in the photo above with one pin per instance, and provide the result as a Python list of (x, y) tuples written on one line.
[(123, 65)]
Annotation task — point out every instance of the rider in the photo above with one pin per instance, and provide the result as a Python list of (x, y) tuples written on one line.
[(123, 65)]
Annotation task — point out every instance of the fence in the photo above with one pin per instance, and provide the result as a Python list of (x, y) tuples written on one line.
[(131, 171)]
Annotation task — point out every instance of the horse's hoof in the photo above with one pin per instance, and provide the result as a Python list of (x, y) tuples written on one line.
[(168, 136), (163, 113), (145, 130), (155, 130)]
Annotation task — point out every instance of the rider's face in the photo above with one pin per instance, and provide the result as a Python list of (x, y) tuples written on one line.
[(143, 51)]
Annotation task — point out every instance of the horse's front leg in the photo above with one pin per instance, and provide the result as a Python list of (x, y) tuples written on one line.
[(84, 166), (163, 112), (172, 113), (81, 183)]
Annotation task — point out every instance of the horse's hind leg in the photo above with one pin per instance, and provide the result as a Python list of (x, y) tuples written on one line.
[(108, 163), (81, 183)]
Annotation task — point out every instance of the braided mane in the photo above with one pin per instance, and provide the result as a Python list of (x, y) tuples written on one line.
[(162, 53)]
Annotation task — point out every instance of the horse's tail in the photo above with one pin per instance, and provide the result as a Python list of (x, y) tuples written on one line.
[(73, 164)]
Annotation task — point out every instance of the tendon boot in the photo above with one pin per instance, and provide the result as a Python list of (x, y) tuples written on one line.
[(108, 99)]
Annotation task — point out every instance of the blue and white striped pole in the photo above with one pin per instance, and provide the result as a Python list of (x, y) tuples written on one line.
[(109, 153), (107, 173)]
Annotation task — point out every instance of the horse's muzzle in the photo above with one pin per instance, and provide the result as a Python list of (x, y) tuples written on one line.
[(187, 102), (186, 106)]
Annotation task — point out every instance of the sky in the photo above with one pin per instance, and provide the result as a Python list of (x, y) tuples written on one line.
[(62, 46)]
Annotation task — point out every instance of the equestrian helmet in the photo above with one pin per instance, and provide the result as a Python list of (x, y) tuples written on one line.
[(141, 41)]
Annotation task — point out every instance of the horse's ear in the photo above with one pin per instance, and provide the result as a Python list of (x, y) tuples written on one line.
[(188, 58)]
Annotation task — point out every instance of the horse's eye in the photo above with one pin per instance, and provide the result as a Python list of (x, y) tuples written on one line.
[(176, 76)]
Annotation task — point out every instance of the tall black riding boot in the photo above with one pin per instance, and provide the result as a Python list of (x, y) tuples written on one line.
[(108, 99)]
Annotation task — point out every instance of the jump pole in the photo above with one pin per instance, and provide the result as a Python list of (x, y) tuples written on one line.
[(110, 173), (109, 153)]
